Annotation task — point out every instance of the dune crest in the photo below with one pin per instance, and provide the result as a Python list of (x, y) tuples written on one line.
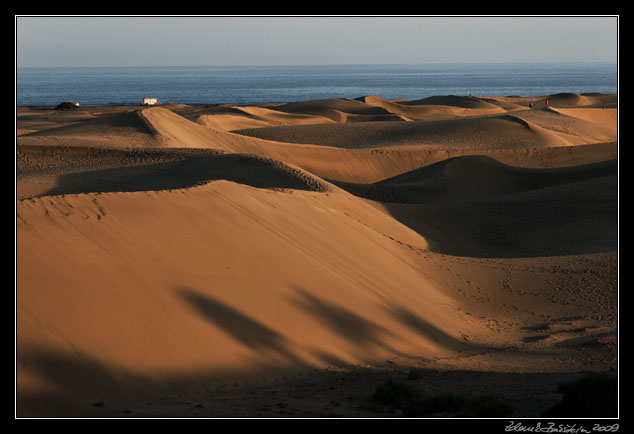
[(436, 107), (474, 133), (235, 118), (604, 116), (126, 129)]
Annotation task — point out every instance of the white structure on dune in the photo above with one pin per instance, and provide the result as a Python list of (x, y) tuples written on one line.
[(150, 101)]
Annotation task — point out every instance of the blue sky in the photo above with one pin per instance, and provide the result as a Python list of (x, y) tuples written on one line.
[(308, 40)]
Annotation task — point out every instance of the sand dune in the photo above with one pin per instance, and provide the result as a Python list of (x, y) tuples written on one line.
[(470, 102), (288, 248), (211, 284), (575, 130), (563, 100), (228, 122), (548, 225), (127, 122), (228, 118), (456, 202), (167, 265), (473, 178), (34, 120), (576, 100), (136, 128), (604, 116), (126, 129), (444, 107), (155, 127), (337, 109), (179, 171), (474, 133)]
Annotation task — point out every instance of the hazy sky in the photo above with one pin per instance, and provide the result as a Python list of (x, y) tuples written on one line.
[(180, 41)]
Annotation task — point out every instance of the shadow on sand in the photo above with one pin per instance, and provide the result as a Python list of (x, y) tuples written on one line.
[(477, 207), (242, 328), (77, 385), (249, 170)]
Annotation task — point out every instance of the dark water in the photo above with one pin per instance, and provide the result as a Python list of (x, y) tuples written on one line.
[(92, 86)]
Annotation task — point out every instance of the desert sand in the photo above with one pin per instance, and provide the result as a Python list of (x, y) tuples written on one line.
[(282, 260)]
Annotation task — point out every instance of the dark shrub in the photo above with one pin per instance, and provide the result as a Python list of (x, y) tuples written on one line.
[(434, 404), (487, 406), (415, 403), (458, 406), (595, 395), (415, 374), (66, 106), (395, 393)]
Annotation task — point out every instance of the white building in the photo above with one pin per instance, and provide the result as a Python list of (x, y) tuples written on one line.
[(150, 101)]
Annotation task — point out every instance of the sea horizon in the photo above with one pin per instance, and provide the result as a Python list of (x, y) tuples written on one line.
[(255, 65), (266, 84)]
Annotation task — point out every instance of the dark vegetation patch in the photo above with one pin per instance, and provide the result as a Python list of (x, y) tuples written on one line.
[(595, 395), (66, 106), (415, 403)]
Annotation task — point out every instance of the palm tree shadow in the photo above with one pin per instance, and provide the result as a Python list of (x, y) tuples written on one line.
[(426, 329), (242, 328), (361, 332)]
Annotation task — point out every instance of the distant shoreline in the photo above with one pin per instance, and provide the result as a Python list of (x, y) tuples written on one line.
[(95, 86), (48, 107)]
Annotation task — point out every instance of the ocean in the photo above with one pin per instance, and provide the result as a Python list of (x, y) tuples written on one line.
[(96, 86)]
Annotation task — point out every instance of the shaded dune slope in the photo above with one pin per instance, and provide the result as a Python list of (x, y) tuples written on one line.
[(43, 159), (570, 219), (30, 120), (182, 171), (476, 206), (451, 101), (127, 129), (131, 122), (467, 178)]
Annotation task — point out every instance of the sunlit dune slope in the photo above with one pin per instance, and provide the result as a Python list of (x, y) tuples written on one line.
[(605, 116), (213, 281)]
